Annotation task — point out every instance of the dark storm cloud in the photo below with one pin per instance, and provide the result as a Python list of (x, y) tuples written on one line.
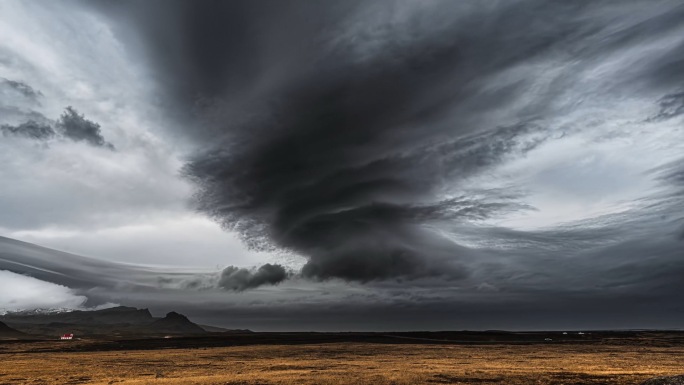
[(343, 131), (30, 129), (76, 127), (366, 137), (347, 167), (239, 279)]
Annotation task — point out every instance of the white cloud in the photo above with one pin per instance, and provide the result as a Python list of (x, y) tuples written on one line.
[(18, 292)]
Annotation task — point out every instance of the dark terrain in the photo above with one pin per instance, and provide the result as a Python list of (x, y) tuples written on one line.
[(123, 344), (119, 322), (127, 328), (627, 339), (346, 359)]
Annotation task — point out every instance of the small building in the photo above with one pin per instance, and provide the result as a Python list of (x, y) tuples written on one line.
[(67, 337)]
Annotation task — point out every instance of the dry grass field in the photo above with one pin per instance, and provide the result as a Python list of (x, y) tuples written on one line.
[(346, 363)]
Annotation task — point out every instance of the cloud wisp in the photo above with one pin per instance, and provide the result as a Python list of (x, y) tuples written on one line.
[(30, 129), (71, 126), (18, 88)]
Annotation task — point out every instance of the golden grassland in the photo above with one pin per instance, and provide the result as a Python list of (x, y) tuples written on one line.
[(348, 363)]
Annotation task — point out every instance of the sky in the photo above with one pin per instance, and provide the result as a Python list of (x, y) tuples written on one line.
[(357, 165)]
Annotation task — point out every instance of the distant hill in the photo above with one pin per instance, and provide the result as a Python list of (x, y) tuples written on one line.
[(175, 323), (7, 332), (115, 322)]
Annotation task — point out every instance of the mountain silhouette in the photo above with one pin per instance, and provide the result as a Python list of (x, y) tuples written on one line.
[(176, 323), (116, 321)]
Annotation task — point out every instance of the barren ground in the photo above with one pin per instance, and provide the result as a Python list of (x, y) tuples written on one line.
[(343, 363)]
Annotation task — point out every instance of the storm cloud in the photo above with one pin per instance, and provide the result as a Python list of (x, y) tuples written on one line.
[(355, 144), (496, 162), (354, 164), (239, 279)]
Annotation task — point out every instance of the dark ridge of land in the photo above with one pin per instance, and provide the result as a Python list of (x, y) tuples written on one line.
[(118, 322), (212, 340)]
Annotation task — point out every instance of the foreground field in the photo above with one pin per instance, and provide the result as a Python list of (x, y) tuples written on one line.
[(347, 363)]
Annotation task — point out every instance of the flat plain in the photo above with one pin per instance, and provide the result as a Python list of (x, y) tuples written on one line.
[(406, 360)]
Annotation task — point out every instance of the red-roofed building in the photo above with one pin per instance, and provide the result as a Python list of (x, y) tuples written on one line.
[(67, 337)]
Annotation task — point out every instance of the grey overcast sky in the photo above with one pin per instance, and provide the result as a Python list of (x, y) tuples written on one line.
[(355, 165)]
